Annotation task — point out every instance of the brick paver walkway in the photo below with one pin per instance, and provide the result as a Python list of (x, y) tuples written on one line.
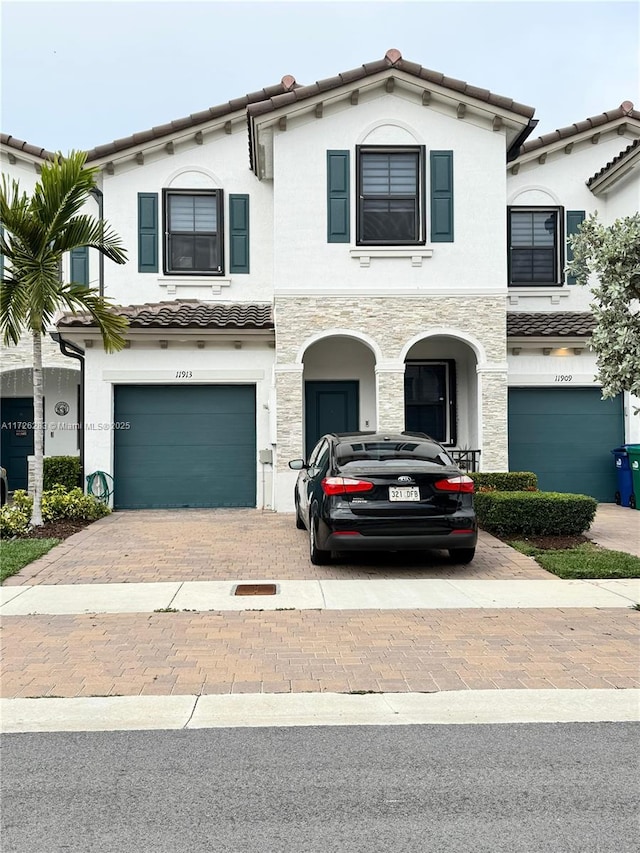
[(198, 545), (333, 651)]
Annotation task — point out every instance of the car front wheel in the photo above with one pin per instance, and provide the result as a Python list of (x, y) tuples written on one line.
[(317, 557), (462, 556), (299, 522)]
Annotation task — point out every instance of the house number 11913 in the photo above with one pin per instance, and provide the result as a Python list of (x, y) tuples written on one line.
[(563, 377), (184, 374)]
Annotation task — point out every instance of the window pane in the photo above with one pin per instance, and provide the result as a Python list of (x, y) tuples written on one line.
[(533, 265), (389, 220), (206, 252), (181, 252), (390, 174), (544, 229), (205, 214), (191, 214)]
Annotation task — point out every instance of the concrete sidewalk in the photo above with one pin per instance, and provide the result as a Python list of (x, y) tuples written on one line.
[(134, 623), (128, 713), (389, 594)]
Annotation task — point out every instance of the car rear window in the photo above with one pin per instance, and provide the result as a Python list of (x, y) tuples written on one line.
[(385, 451)]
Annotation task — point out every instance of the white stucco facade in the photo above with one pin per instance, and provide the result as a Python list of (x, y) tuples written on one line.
[(347, 312)]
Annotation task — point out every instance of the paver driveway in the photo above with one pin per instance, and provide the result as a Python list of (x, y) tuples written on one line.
[(242, 544)]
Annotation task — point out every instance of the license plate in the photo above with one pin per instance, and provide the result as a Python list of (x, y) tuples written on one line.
[(404, 493)]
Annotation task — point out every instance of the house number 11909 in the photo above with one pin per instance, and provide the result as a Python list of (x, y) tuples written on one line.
[(563, 377), (184, 374)]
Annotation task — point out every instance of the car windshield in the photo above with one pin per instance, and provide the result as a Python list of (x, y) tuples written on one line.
[(397, 451)]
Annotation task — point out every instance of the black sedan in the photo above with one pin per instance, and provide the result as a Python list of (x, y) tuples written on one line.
[(366, 491)]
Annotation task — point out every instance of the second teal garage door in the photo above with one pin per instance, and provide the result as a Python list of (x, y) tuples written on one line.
[(187, 446), (565, 436)]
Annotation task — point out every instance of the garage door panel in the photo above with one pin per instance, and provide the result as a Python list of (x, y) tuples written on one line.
[(565, 436), (190, 492), (187, 446), (205, 430), (163, 399), (205, 462)]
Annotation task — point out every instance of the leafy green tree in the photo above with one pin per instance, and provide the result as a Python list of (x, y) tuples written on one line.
[(607, 257), (36, 231)]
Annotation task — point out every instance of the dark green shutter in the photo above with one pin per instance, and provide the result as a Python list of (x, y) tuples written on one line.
[(147, 232), (80, 265), (239, 233), (442, 196), (574, 220), (338, 230)]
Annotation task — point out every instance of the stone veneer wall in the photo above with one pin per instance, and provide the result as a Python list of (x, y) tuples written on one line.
[(21, 355), (391, 323)]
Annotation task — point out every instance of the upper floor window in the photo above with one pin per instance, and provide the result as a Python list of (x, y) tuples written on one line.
[(391, 195), (193, 232), (535, 243)]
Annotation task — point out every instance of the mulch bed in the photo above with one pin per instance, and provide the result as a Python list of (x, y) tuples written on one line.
[(550, 543), (61, 529)]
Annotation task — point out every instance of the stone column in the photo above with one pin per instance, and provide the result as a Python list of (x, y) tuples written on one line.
[(493, 432), (390, 396), (290, 409)]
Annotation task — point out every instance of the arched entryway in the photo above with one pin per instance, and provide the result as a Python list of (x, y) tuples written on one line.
[(441, 393), (61, 389), (339, 387)]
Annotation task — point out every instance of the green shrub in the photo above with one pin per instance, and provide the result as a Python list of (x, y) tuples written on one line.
[(59, 503), (61, 470), (534, 513), (13, 521), (505, 481)]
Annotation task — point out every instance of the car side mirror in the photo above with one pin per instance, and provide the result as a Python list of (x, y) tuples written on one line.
[(298, 464)]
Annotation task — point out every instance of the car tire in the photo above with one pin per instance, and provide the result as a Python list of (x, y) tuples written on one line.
[(462, 556), (299, 522), (317, 557)]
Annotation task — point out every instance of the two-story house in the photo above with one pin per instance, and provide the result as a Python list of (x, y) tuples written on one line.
[(384, 249)]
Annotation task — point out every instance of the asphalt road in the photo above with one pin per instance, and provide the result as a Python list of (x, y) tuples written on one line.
[(517, 788)]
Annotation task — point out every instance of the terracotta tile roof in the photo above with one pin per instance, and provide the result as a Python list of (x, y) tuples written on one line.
[(620, 157), (592, 123), (556, 324), (158, 132), (184, 314), (20, 145), (392, 59), (284, 93)]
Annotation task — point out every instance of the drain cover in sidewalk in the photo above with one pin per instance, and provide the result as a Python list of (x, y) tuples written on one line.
[(255, 589)]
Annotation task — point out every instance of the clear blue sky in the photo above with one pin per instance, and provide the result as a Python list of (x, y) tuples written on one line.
[(78, 74)]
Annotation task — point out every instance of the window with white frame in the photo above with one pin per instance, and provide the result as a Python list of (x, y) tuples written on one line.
[(391, 195), (193, 231), (535, 246)]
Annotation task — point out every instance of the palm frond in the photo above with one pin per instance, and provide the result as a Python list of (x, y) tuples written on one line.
[(82, 299), (96, 234)]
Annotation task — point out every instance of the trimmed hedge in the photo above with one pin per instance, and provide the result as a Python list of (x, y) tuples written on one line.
[(534, 513), (61, 471), (505, 481)]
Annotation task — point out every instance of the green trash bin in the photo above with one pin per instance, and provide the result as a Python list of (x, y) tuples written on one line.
[(633, 451)]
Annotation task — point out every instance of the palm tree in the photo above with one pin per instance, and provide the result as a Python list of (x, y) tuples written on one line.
[(36, 231)]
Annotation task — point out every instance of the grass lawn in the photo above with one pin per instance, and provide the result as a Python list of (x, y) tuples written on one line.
[(17, 553), (584, 561)]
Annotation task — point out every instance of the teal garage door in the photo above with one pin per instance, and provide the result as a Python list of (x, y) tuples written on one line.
[(186, 446), (565, 436)]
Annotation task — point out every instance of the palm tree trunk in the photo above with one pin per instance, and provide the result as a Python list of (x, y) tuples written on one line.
[(38, 430)]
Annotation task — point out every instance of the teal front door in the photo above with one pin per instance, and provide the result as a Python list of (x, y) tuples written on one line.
[(330, 406), (17, 439)]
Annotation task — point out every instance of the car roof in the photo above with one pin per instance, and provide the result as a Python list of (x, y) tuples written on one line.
[(344, 437)]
